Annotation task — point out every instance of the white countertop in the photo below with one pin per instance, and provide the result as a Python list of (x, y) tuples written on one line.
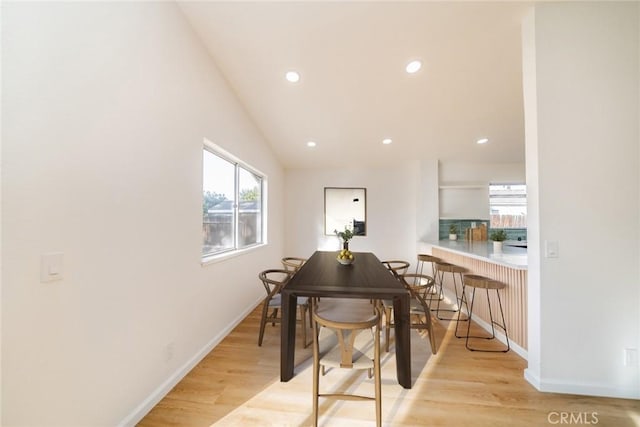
[(483, 250)]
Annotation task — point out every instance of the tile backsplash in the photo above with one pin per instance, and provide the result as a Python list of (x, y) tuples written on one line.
[(463, 224)]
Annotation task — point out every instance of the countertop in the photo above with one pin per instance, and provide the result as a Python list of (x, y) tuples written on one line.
[(510, 256)]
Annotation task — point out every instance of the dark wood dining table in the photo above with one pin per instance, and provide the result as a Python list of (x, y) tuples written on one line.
[(323, 276)]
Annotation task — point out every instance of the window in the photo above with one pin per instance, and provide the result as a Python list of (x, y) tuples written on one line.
[(508, 205), (232, 201)]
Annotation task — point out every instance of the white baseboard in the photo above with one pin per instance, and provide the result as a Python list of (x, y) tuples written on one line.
[(158, 394), (586, 389), (532, 378)]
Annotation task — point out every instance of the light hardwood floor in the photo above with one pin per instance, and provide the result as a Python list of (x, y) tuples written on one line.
[(237, 384)]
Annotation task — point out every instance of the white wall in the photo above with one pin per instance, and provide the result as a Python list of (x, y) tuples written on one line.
[(533, 198), (105, 107), (392, 196), (586, 140), (427, 216), (484, 173)]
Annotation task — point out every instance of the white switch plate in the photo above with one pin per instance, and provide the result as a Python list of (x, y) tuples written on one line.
[(630, 357), (51, 267), (551, 249)]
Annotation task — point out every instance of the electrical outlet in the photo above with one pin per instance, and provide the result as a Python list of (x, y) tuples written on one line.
[(169, 351)]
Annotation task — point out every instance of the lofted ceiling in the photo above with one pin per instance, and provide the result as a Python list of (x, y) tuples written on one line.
[(354, 90)]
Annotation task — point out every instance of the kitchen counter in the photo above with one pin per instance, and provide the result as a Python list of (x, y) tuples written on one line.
[(510, 256), (508, 266)]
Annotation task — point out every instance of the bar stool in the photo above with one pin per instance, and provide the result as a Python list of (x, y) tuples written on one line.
[(480, 282), (420, 266), (442, 268), (425, 258)]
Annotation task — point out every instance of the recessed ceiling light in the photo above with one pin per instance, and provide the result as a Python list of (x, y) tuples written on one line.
[(311, 144), (387, 141), (292, 76), (413, 67), (482, 141)]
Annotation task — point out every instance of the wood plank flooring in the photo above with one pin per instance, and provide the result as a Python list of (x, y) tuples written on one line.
[(238, 384)]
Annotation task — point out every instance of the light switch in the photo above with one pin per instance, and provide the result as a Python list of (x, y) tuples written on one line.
[(551, 249), (51, 267)]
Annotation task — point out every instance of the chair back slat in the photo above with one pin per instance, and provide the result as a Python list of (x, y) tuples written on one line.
[(396, 267)]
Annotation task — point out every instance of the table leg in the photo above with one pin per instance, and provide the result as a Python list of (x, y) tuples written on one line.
[(403, 340), (287, 335)]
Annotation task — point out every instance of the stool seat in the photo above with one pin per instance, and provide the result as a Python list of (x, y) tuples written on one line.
[(428, 258), (450, 268), (476, 281), (431, 260)]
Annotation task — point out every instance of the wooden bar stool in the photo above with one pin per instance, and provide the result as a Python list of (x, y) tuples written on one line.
[(425, 258), (456, 271), (480, 282), (420, 266)]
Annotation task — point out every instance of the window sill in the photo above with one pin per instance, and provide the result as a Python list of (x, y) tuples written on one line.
[(213, 259)]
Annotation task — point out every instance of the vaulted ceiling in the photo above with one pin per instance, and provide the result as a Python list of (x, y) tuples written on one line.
[(354, 91)]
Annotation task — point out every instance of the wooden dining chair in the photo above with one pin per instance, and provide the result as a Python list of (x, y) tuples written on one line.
[(348, 319), (420, 287), (397, 268), (273, 281), (293, 263)]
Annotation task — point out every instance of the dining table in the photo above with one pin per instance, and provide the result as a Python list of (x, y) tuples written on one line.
[(322, 276)]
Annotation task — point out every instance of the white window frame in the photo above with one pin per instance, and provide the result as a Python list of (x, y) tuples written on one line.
[(238, 163), (507, 197)]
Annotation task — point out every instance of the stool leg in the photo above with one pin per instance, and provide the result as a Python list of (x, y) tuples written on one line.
[(473, 298), (458, 300), (493, 323), (440, 292), (468, 319), (437, 288), (493, 329), (462, 300)]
